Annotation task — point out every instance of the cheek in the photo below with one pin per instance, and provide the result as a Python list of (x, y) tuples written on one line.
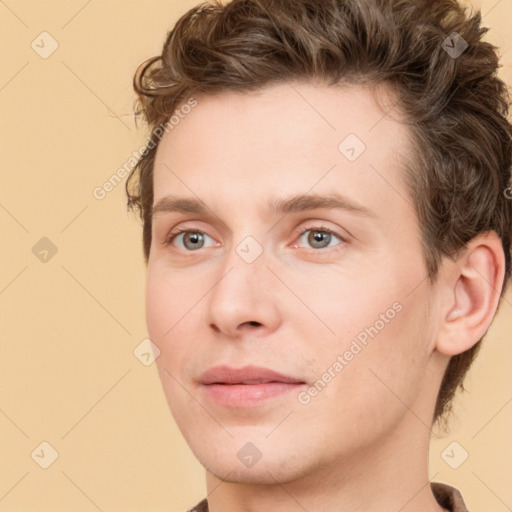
[(339, 307), (172, 319), (387, 373), (379, 334), (168, 300), (159, 308), (165, 320)]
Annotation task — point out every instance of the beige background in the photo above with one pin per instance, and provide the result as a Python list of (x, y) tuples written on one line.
[(70, 325)]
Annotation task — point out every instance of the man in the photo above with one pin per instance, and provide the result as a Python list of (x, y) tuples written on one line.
[(327, 234)]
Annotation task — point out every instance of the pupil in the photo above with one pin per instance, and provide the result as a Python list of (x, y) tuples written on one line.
[(318, 237), (194, 238)]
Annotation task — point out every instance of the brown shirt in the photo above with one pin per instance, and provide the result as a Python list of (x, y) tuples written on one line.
[(447, 496)]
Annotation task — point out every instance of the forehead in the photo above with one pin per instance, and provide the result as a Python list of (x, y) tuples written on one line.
[(292, 136)]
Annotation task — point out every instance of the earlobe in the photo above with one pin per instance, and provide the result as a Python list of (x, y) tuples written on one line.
[(475, 286)]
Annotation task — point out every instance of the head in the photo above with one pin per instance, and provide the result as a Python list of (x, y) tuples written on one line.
[(295, 78)]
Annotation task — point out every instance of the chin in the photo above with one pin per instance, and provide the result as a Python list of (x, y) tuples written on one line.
[(261, 473), (272, 467), (243, 476)]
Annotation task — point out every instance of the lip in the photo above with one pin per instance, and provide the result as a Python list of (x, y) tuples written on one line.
[(246, 375), (249, 386)]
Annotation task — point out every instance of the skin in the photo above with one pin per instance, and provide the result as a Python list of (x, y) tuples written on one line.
[(361, 444)]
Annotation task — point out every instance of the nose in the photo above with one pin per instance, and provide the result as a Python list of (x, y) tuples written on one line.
[(244, 298)]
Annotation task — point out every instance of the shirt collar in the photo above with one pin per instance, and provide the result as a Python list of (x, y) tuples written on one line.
[(447, 496)]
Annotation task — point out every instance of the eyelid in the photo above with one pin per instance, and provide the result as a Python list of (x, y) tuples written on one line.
[(190, 225)]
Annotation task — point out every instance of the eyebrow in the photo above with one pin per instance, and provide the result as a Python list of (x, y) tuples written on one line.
[(293, 204)]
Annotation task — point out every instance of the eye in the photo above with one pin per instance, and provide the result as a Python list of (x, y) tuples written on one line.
[(320, 237), (191, 240)]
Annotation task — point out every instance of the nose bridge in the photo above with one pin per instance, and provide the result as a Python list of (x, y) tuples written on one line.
[(240, 295), (249, 250), (244, 268)]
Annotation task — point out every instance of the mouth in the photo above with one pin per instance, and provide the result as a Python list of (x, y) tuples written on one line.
[(249, 386), (254, 381)]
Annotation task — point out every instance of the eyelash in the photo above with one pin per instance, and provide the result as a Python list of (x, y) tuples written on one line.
[(322, 229)]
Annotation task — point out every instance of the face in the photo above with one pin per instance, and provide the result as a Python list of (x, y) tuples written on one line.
[(332, 295)]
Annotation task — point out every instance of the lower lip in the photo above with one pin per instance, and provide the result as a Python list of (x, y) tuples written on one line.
[(247, 395)]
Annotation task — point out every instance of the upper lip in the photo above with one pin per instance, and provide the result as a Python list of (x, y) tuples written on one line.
[(245, 375)]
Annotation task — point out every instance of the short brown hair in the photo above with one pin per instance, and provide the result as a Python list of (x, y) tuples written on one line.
[(457, 106)]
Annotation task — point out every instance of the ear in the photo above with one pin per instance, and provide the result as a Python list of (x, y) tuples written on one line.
[(473, 286)]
